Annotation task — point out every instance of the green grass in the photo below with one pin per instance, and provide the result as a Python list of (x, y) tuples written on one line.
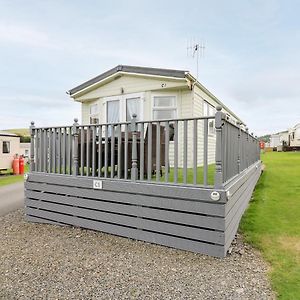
[(6, 178), (272, 222), (19, 131), (190, 175)]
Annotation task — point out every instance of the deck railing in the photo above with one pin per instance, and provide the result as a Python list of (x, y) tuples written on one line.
[(205, 151)]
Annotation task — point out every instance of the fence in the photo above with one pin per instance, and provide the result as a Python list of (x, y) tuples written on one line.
[(182, 183), (205, 151)]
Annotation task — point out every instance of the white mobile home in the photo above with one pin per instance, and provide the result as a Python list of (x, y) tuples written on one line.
[(9, 146), (279, 139), (152, 161), (294, 136), (152, 94)]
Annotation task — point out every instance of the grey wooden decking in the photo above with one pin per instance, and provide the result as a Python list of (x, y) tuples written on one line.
[(179, 217), (71, 183)]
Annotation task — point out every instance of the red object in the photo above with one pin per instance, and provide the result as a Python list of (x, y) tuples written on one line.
[(15, 165), (21, 165), (261, 144)]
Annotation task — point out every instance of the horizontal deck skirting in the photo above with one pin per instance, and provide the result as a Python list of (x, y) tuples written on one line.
[(180, 217)]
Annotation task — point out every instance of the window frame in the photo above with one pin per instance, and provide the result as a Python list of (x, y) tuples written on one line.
[(9, 148), (95, 115), (210, 121), (123, 105), (164, 108)]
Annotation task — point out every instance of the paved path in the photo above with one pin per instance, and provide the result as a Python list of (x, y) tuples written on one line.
[(11, 197)]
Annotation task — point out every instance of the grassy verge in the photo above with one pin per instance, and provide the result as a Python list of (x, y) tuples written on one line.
[(6, 179), (272, 222)]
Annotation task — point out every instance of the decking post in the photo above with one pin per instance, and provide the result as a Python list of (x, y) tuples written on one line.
[(239, 148), (75, 132), (219, 122), (32, 133), (134, 170)]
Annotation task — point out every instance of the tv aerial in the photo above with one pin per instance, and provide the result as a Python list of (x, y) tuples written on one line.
[(195, 50)]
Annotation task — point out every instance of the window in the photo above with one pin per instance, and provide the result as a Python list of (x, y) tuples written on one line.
[(113, 111), (133, 106), (6, 147), (209, 110), (164, 107), (94, 113)]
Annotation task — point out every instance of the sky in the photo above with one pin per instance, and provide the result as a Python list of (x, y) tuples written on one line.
[(251, 60)]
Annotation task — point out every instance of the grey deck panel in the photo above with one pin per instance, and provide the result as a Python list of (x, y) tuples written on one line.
[(127, 186), (235, 214), (156, 238), (199, 207), (197, 220), (233, 185), (232, 219), (235, 199), (195, 233), (41, 220), (196, 224)]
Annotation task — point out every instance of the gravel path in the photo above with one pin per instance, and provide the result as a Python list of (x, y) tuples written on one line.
[(41, 261)]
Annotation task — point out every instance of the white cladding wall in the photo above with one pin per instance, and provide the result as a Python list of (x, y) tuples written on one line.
[(189, 104), (295, 132)]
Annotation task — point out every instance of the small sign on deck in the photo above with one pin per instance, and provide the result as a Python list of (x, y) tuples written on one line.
[(97, 184)]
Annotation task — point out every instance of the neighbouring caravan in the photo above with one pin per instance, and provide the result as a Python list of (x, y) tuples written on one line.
[(9, 146), (294, 136), (279, 139)]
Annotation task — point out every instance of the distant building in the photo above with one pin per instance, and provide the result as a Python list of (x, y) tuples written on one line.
[(9, 146), (294, 136), (278, 139)]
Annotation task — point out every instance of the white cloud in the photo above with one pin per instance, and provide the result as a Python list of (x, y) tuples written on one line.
[(25, 35)]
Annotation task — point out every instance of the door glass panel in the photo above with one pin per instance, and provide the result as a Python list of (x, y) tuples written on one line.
[(133, 106), (113, 111)]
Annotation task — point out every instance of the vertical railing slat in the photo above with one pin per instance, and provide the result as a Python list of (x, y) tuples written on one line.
[(82, 138), (32, 137), (167, 140), (106, 153), (119, 151), (205, 152), (195, 143), (93, 150), (149, 158), (112, 152), (88, 142), (142, 151), (176, 152), (54, 150), (70, 151), (126, 152), (157, 151), (59, 150), (99, 150), (185, 150)]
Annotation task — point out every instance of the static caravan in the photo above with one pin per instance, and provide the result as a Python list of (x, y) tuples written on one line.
[(9, 146), (152, 94), (294, 136), (157, 158), (278, 139)]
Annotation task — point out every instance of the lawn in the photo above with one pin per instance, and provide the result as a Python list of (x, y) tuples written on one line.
[(272, 222), (9, 179)]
